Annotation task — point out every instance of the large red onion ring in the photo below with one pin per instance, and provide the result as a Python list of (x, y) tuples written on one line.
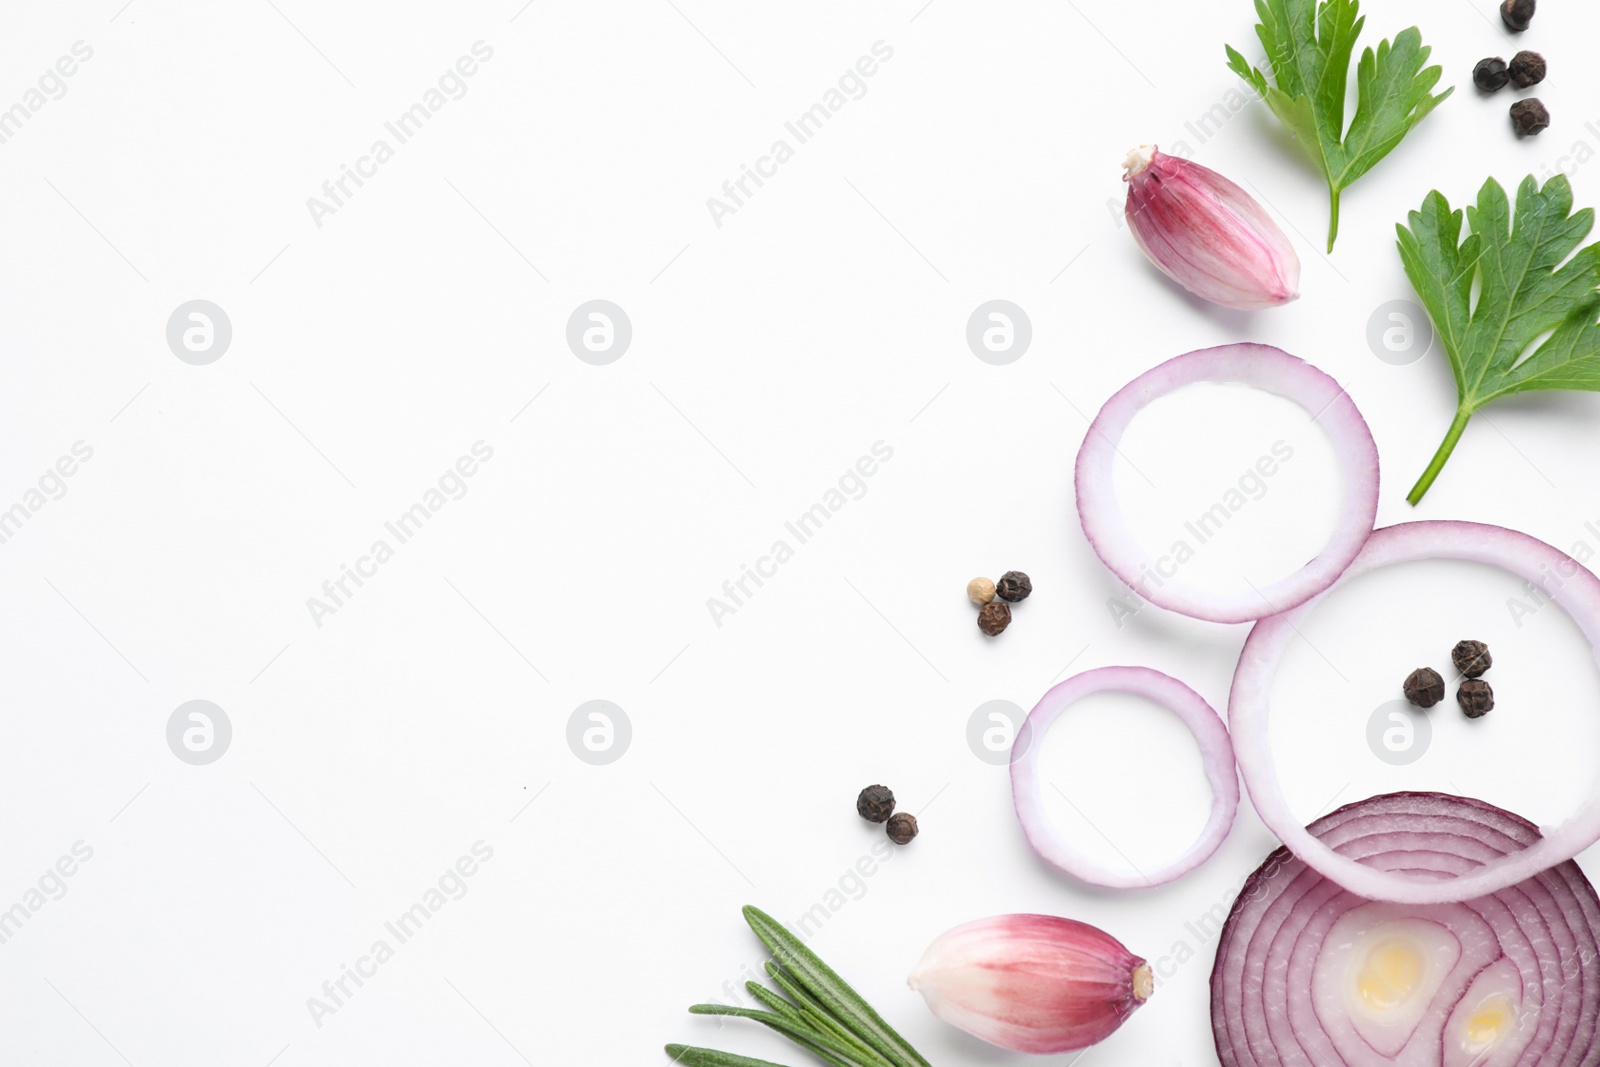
[(1309, 974), (1216, 754), (1575, 589), (1274, 371)]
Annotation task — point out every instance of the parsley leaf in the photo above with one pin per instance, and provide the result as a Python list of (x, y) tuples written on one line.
[(1309, 45), (1525, 292)]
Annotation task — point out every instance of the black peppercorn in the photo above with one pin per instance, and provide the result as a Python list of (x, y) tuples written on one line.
[(1529, 117), (1517, 13), (1471, 658), (1527, 68), (902, 828), (875, 804), (1424, 687), (1476, 698), (1490, 74), (994, 617), (1013, 586)]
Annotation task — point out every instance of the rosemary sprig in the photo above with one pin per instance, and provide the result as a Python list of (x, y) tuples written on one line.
[(822, 1014), (841, 1002), (689, 1056), (810, 1005), (815, 1021), (799, 1032)]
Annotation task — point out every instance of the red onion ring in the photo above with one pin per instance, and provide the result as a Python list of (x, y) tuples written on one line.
[(1216, 754), (1274, 371), (1308, 973), (1527, 557)]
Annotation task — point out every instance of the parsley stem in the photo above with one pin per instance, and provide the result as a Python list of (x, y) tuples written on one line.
[(1437, 463), (1333, 214)]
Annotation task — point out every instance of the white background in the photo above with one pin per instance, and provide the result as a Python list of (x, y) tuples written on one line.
[(828, 313)]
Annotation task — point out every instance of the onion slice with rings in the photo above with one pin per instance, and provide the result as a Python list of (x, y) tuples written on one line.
[(1309, 974), (1577, 593), (1267, 368), (1216, 754)]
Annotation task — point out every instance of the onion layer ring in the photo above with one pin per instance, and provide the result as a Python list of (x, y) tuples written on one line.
[(1274, 371), (1527, 557), (1216, 753)]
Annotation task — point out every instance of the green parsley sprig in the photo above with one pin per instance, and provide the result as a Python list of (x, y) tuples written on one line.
[(1525, 291), (822, 1014), (1308, 47)]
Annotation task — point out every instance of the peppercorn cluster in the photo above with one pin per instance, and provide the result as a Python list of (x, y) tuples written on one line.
[(1424, 686), (1530, 116), (1475, 696), (875, 803), (994, 599)]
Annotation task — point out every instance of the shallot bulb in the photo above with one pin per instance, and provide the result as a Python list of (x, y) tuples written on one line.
[(1032, 983), (1207, 234)]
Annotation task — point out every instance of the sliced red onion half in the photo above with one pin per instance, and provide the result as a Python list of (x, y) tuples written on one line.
[(1216, 755), (1567, 582), (1267, 368), (1308, 974)]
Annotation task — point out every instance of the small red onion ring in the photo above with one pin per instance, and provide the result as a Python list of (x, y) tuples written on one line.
[(1216, 754), (1288, 988), (1274, 371), (1578, 594)]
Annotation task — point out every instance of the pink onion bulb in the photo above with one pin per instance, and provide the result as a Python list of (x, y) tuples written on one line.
[(1207, 234), (1032, 983)]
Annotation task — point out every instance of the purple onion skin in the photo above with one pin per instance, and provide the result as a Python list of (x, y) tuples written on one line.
[(1207, 234), (1039, 984), (1554, 915)]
